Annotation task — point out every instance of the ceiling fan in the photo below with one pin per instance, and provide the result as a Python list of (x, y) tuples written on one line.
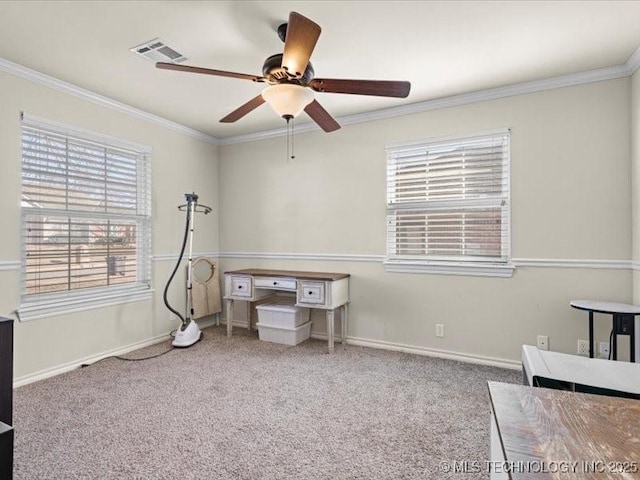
[(291, 78)]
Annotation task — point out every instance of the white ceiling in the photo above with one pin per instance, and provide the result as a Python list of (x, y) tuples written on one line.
[(442, 48)]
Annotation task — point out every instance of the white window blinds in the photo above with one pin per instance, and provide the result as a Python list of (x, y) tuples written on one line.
[(86, 210), (448, 200)]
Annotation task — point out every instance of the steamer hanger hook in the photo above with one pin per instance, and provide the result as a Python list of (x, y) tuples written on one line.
[(192, 201)]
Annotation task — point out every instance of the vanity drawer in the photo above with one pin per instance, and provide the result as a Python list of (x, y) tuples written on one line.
[(276, 283), (241, 286), (311, 292)]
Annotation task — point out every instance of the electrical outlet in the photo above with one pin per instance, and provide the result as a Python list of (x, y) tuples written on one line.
[(439, 330), (604, 349), (583, 347), (543, 342)]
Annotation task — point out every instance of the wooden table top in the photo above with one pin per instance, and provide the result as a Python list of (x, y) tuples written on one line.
[(259, 272), (543, 426)]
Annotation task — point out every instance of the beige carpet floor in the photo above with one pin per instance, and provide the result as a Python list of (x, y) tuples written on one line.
[(243, 409)]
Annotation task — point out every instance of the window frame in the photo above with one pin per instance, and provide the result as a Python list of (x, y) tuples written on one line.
[(40, 305), (475, 266)]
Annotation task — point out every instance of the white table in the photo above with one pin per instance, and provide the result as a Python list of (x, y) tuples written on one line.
[(582, 374), (624, 323), (322, 290)]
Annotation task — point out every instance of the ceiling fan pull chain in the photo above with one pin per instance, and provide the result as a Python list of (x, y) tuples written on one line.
[(293, 156), (288, 134), (290, 153)]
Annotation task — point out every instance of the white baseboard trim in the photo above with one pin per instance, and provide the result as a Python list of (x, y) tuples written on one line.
[(72, 365), (425, 351), (67, 367), (413, 349)]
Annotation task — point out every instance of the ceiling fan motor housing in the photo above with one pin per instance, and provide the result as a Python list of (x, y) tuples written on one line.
[(272, 70)]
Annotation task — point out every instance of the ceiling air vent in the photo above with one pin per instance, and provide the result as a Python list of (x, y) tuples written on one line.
[(158, 51)]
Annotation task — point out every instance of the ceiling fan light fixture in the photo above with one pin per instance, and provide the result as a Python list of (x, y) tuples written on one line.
[(287, 99)]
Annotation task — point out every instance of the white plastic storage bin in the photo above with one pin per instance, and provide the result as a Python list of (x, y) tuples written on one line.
[(286, 336), (282, 314)]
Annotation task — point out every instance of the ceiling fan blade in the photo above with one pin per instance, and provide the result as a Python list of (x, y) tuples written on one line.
[(301, 38), (240, 112), (206, 71), (321, 117), (380, 88)]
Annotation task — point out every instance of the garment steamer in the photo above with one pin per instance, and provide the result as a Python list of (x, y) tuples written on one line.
[(188, 333)]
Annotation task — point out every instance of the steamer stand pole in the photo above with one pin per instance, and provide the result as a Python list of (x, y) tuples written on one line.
[(189, 332)]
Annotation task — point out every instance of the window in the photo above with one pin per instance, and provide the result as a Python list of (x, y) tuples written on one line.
[(86, 215), (448, 205)]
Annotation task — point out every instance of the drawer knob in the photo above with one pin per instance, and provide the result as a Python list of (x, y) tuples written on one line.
[(239, 287), (275, 283), (310, 292)]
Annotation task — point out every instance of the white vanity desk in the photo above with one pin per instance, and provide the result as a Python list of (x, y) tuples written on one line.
[(325, 291)]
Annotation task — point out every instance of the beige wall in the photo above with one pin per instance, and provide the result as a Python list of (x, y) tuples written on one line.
[(571, 194), (571, 199), (180, 164), (635, 178)]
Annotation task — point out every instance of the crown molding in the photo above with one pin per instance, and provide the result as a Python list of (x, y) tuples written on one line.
[(634, 62), (591, 76), (97, 99)]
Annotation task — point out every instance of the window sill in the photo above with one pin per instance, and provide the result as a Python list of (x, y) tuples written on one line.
[(450, 268), (76, 302)]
